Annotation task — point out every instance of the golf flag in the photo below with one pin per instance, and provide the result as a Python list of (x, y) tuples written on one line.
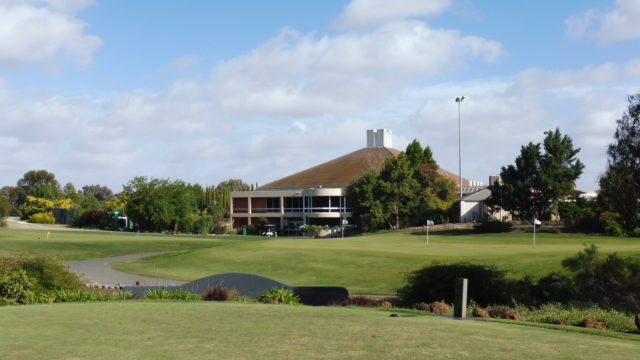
[(537, 222), (48, 233)]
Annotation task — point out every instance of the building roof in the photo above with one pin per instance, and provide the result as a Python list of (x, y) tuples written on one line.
[(336, 173), (477, 196), (339, 172)]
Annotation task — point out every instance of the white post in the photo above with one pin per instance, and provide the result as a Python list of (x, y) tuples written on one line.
[(534, 233), (429, 222)]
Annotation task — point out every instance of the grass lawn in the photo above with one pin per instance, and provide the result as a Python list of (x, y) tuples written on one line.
[(203, 330), (369, 264), (373, 264)]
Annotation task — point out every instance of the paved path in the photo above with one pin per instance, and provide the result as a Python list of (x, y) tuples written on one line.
[(97, 271)]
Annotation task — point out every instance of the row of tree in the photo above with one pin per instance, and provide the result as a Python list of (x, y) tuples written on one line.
[(151, 204), (406, 192)]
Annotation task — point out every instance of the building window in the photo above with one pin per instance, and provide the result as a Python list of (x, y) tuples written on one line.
[(293, 204)]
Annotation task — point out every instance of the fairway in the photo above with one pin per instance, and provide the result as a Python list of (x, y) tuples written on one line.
[(373, 264), (369, 264), (204, 330)]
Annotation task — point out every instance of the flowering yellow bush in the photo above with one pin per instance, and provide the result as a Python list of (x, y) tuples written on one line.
[(42, 218), (117, 203), (34, 205)]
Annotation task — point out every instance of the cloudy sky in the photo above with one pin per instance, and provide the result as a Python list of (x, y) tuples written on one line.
[(101, 91)]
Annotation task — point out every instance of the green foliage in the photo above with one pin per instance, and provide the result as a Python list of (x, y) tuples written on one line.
[(406, 192), (620, 189), (636, 232), (534, 185), (42, 218), (610, 281), (580, 214), (48, 274), (164, 294), (279, 296), (313, 231), (576, 314), (100, 192), (16, 287), (159, 204), (15, 194), (5, 210), (493, 226), (80, 295), (487, 285)]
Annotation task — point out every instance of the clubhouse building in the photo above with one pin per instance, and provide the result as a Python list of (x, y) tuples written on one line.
[(317, 196)]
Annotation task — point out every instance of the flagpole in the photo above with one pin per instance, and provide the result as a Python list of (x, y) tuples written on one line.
[(534, 233)]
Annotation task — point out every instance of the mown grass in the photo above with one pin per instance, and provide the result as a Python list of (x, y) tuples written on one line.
[(369, 264), (82, 245), (209, 330), (373, 264)]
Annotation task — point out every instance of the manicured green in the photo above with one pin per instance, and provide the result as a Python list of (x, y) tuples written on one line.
[(374, 264), (213, 330), (82, 245), (370, 264)]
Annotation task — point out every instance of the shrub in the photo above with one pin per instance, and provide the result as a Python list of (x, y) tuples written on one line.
[(279, 295), (164, 294), (493, 226), (218, 293), (5, 210), (555, 288), (438, 307), (90, 219), (612, 228), (81, 295), (576, 315), (47, 274), (479, 312), (16, 287), (610, 281), (42, 218), (499, 311), (313, 230), (487, 285), (357, 300), (636, 232)]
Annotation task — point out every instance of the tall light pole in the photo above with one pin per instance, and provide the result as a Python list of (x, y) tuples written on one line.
[(459, 101)]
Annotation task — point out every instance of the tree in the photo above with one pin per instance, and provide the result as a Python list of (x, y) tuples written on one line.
[(620, 185), (40, 183), (101, 193), (399, 190), (38, 177), (5, 209), (534, 185), (15, 194), (365, 202), (69, 191)]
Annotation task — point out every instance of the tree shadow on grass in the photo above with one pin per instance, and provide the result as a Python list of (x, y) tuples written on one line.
[(451, 232)]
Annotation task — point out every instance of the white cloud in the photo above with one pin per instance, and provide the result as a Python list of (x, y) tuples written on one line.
[(304, 75), (30, 32), (366, 13), (607, 27)]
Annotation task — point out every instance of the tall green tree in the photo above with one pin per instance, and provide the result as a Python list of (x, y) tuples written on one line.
[(365, 202), (532, 187), (620, 185), (399, 190), (40, 183)]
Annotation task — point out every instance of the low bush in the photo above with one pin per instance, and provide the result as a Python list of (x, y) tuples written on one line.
[(576, 315), (493, 226), (636, 232), (357, 300), (277, 295), (16, 287), (90, 219), (218, 293), (42, 218), (164, 294), (82, 295), (487, 285), (47, 274)]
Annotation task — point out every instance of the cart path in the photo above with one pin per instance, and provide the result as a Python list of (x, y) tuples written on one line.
[(98, 271)]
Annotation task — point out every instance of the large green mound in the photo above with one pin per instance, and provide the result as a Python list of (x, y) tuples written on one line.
[(175, 330)]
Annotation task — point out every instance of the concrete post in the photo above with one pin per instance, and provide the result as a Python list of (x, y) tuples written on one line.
[(460, 299)]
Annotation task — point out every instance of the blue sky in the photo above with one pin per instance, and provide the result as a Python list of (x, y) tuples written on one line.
[(101, 91)]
